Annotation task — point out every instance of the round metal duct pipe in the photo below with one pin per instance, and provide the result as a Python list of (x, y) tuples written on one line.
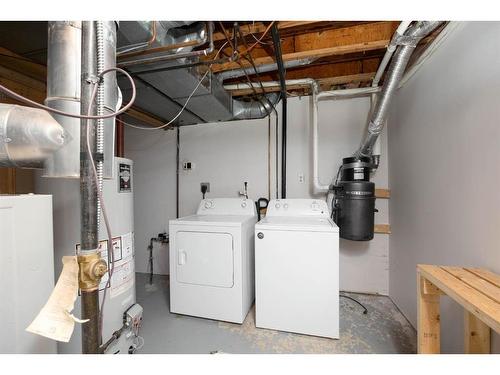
[(28, 136)]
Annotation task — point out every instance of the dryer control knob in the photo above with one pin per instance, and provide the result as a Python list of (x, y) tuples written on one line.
[(244, 204), (285, 206), (277, 205), (260, 235), (209, 204)]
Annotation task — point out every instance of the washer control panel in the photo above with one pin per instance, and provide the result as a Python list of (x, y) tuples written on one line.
[(297, 207), (227, 206)]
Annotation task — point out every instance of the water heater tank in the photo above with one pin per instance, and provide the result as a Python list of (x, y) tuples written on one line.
[(118, 196)]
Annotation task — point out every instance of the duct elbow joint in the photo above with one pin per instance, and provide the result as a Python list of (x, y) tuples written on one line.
[(28, 136)]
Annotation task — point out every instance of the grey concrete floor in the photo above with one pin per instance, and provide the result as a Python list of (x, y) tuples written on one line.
[(383, 330)]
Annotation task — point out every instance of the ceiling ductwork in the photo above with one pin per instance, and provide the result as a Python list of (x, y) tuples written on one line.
[(166, 77)]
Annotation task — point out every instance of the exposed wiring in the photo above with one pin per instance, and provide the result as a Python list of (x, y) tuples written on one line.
[(111, 259), (253, 35), (185, 104), (260, 39), (249, 58), (365, 310), (25, 100)]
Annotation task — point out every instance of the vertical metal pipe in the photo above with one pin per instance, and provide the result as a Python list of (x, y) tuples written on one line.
[(178, 143), (99, 27), (281, 71), (88, 189)]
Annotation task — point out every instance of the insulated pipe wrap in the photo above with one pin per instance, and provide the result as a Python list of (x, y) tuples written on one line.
[(28, 136), (407, 44)]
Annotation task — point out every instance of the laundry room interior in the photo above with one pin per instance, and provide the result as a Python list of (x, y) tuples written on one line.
[(267, 186)]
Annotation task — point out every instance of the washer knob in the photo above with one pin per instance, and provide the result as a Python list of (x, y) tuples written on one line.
[(209, 204), (277, 205), (260, 235), (285, 206), (244, 204)]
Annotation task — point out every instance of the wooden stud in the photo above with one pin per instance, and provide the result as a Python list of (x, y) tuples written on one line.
[(428, 320), (382, 193), (476, 335), (363, 77), (382, 228)]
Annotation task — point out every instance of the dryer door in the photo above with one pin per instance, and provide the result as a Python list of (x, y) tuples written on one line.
[(205, 258)]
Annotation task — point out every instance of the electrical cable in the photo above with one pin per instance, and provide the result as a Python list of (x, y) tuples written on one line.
[(111, 258), (355, 300), (253, 35), (32, 103), (249, 58), (260, 39), (185, 104)]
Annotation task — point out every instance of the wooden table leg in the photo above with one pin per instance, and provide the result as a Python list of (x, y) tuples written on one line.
[(428, 320), (476, 335)]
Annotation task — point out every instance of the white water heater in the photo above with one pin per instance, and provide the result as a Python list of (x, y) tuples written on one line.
[(118, 198)]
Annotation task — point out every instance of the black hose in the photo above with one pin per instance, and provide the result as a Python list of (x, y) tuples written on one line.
[(281, 70)]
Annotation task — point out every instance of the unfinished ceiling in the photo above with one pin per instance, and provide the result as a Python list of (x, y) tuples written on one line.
[(336, 54)]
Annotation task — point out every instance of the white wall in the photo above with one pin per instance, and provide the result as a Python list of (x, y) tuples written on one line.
[(444, 157), (153, 153), (227, 154)]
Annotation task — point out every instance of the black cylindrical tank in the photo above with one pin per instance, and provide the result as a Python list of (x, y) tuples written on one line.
[(356, 168), (354, 209)]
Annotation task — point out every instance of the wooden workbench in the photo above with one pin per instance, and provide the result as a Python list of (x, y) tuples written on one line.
[(476, 290)]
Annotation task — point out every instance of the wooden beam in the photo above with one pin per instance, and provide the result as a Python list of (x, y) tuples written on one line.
[(259, 27), (7, 180), (428, 320), (22, 65), (477, 335), (363, 77), (313, 54), (382, 228), (383, 193)]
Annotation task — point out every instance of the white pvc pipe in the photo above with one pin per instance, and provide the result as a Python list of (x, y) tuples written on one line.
[(318, 187)]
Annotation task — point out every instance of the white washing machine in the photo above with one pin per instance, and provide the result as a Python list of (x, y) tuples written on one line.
[(212, 260), (297, 268)]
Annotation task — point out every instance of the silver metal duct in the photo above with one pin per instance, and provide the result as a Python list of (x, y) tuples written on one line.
[(164, 92), (111, 96), (63, 93), (254, 109), (28, 136), (406, 46), (235, 73)]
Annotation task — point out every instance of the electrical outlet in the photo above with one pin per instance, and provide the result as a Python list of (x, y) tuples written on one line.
[(301, 178), (207, 184), (187, 165)]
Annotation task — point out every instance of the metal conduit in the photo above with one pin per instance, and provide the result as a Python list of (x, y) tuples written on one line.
[(407, 44)]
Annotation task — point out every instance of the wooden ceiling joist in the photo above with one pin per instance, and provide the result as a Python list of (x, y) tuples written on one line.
[(327, 82), (312, 54)]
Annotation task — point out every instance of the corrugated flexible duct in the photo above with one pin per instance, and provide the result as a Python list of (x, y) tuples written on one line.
[(407, 44)]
